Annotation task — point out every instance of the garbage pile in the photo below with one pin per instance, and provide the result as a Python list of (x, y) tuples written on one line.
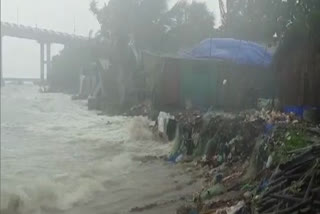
[(294, 187), (216, 138), (287, 179), (237, 155), (282, 138)]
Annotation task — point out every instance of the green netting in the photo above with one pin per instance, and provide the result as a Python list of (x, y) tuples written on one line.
[(177, 144), (200, 148)]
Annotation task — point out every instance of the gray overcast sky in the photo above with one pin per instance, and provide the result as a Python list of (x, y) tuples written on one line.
[(21, 57)]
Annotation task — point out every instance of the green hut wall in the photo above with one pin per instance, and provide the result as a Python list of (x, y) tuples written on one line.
[(198, 82), (177, 82)]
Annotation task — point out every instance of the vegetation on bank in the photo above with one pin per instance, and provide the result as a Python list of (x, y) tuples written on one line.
[(67, 66), (151, 25)]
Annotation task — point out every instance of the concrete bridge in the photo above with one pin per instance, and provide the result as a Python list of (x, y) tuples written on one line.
[(45, 39)]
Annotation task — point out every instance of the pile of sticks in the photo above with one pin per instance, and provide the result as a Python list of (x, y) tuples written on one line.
[(295, 186)]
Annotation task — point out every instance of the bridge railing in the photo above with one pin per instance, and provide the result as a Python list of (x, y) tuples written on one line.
[(39, 34)]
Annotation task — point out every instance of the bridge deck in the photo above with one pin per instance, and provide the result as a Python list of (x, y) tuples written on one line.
[(13, 79), (38, 34)]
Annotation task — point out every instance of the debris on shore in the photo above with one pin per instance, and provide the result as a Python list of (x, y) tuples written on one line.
[(251, 162), (294, 187)]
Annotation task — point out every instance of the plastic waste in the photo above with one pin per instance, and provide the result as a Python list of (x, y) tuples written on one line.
[(175, 158), (179, 158), (268, 128), (269, 161), (172, 159), (235, 209), (220, 158), (215, 190), (193, 212), (176, 149), (262, 186), (163, 120)]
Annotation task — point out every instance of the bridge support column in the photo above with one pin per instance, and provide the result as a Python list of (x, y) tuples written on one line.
[(1, 68), (48, 60), (42, 62)]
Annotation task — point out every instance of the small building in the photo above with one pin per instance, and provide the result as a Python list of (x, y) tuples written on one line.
[(187, 81)]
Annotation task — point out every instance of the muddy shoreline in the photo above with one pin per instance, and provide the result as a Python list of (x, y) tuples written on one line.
[(235, 156)]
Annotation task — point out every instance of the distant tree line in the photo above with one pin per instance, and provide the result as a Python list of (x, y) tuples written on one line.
[(67, 67), (145, 24), (151, 25)]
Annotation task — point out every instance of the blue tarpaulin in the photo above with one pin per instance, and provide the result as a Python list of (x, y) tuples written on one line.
[(238, 51)]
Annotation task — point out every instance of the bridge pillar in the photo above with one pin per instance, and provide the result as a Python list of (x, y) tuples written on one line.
[(42, 62), (48, 60), (1, 71)]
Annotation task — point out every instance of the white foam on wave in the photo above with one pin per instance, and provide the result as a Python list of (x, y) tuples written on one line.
[(66, 155), (46, 194), (140, 130)]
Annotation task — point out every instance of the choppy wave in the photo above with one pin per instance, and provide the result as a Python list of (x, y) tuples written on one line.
[(49, 195), (56, 155)]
